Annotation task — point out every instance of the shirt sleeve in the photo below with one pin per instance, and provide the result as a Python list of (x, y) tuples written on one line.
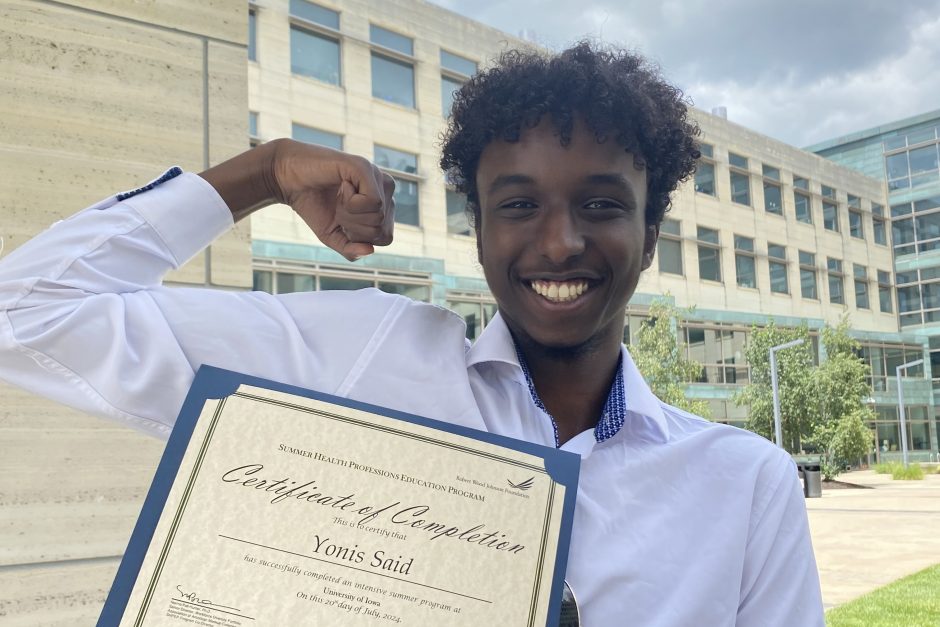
[(780, 583), (85, 321)]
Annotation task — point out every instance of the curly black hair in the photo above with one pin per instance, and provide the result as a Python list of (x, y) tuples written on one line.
[(617, 93)]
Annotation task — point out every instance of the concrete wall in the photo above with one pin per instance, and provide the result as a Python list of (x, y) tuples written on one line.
[(97, 97)]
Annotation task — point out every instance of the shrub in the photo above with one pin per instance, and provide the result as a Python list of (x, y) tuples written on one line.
[(911, 473)]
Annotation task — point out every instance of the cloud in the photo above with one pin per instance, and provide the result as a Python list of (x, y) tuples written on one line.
[(801, 71)]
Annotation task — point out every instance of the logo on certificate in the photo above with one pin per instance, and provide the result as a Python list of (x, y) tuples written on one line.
[(522, 485)]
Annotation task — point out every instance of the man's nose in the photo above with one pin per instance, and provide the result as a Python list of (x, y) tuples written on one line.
[(560, 237)]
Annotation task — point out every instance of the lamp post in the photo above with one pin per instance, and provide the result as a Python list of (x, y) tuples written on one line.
[(778, 428), (898, 371)]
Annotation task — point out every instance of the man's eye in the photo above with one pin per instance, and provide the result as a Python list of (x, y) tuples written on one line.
[(518, 204), (604, 205)]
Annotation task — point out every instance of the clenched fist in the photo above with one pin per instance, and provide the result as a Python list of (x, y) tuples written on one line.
[(345, 199)]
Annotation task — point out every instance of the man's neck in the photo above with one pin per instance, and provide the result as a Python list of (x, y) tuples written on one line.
[(572, 385)]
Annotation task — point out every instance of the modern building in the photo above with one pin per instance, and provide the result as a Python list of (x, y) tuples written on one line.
[(904, 154), (765, 230)]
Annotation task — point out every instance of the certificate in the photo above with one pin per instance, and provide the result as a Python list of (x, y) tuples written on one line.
[(275, 505)]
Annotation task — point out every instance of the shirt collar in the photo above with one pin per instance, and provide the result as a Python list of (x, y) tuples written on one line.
[(631, 399), (494, 344)]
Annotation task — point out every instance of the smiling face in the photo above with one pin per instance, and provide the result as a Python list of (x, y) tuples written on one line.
[(562, 235)]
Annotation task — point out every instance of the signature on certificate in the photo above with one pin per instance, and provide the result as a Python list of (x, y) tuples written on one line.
[(192, 597)]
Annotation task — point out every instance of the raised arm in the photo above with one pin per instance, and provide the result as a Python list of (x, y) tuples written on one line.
[(84, 319)]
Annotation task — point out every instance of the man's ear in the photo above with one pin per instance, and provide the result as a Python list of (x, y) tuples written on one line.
[(649, 244)]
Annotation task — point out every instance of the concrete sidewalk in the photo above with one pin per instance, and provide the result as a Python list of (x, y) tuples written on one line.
[(865, 539)]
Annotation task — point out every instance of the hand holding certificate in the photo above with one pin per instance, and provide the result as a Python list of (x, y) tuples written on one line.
[(278, 506)]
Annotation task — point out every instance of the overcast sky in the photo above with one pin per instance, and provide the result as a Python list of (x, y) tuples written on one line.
[(801, 71)]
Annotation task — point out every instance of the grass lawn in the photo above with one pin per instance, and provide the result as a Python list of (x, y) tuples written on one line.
[(910, 602)]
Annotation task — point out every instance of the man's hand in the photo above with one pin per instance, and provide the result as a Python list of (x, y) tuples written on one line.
[(344, 199)]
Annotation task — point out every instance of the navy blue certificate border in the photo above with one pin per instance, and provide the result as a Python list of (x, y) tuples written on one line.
[(213, 383)]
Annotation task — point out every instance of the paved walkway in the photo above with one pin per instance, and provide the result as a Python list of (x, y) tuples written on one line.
[(865, 539)]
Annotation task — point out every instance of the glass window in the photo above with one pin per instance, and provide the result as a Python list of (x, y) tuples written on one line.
[(901, 209), (343, 283), (921, 135), (877, 210), (923, 159), (855, 225), (879, 233), (253, 138), (861, 286), (930, 295), (316, 136), (406, 201), (902, 231), (828, 192), (458, 64), (706, 150), (252, 35), (896, 166), (670, 227), (288, 283), (669, 248), (928, 226), (396, 159), (776, 251), (314, 55), (778, 278), (926, 204), (909, 298), (705, 178), (415, 292), (737, 161), (406, 189), (314, 13), (778, 270), (449, 87), (391, 40), (393, 80), (830, 216), (709, 254), (740, 188), (457, 222), (800, 183), (854, 202), (707, 235), (771, 173), (884, 293), (808, 285), (772, 199), (836, 289), (803, 212), (744, 261), (262, 281), (476, 314)]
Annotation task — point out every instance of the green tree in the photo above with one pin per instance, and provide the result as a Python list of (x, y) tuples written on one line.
[(660, 358), (840, 434), (795, 383)]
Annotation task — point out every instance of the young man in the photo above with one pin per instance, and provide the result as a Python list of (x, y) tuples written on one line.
[(568, 162)]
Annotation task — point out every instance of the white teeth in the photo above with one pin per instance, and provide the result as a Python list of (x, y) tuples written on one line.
[(559, 291)]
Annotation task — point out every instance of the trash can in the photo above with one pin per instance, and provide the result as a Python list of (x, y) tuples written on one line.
[(812, 481)]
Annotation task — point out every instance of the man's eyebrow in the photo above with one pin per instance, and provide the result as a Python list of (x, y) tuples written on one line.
[(616, 179), (611, 178), (505, 180)]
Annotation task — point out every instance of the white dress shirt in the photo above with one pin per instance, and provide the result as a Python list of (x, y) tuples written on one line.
[(679, 521)]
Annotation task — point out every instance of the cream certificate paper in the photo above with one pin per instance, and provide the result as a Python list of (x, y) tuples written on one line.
[(280, 508)]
